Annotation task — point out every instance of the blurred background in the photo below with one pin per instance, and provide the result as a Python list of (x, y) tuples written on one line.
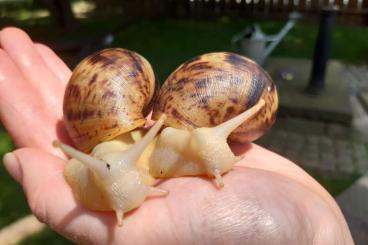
[(315, 50)]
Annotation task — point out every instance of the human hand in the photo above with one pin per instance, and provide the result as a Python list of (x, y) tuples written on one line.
[(266, 199)]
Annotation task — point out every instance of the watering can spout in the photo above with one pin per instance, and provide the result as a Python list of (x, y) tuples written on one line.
[(257, 45)]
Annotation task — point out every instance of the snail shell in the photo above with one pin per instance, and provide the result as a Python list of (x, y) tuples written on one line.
[(207, 100), (212, 88), (109, 93)]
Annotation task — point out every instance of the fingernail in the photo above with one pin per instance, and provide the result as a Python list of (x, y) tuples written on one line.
[(9, 158), (12, 165)]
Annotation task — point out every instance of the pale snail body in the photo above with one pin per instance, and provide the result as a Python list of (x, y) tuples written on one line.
[(108, 95), (85, 183), (200, 98)]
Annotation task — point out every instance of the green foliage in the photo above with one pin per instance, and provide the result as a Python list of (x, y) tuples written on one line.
[(167, 43)]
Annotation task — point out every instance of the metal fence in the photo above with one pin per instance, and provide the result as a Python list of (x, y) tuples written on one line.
[(350, 11)]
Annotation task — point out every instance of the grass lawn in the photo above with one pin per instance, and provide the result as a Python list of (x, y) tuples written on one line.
[(166, 44)]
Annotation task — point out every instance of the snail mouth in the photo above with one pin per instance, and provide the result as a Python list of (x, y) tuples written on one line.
[(238, 149)]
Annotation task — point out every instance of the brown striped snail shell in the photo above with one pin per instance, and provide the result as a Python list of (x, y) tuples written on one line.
[(109, 93), (212, 88), (206, 99)]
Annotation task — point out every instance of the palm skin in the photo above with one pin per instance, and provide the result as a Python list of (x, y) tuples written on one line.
[(266, 199)]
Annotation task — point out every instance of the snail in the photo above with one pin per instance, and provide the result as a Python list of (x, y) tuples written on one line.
[(107, 97), (201, 103), (206, 99)]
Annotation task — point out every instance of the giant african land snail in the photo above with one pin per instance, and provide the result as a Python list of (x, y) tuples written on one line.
[(204, 100), (107, 96)]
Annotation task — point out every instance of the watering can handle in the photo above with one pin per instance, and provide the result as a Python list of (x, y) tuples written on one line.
[(276, 39)]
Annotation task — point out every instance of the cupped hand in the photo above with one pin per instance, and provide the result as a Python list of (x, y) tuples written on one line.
[(266, 199)]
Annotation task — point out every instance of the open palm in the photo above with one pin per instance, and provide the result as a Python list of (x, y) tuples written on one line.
[(266, 199)]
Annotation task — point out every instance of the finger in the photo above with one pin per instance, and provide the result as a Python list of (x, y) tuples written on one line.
[(41, 176), (12, 166), (18, 102), (55, 64), (20, 48)]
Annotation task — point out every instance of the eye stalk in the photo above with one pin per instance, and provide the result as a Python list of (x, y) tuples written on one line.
[(92, 163)]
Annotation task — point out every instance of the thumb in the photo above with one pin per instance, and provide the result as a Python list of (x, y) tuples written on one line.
[(41, 176), (11, 164)]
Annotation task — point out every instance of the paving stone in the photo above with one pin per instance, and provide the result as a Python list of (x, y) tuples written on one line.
[(276, 148), (310, 149), (323, 147), (311, 140), (327, 161), (300, 125), (309, 159), (357, 77), (295, 140), (276, 140), (319, 152), (292, 155), (362, 164), (344, 156), (326, 144), (361, 157), (360, 149), (333, 105), (343, 147), (345, 164), (264, 141), (281, 135), (338, 131), (294, 147)]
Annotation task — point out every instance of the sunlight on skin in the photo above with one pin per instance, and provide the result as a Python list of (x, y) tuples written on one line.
[(54, 63), (280, 165), (266, 199)]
